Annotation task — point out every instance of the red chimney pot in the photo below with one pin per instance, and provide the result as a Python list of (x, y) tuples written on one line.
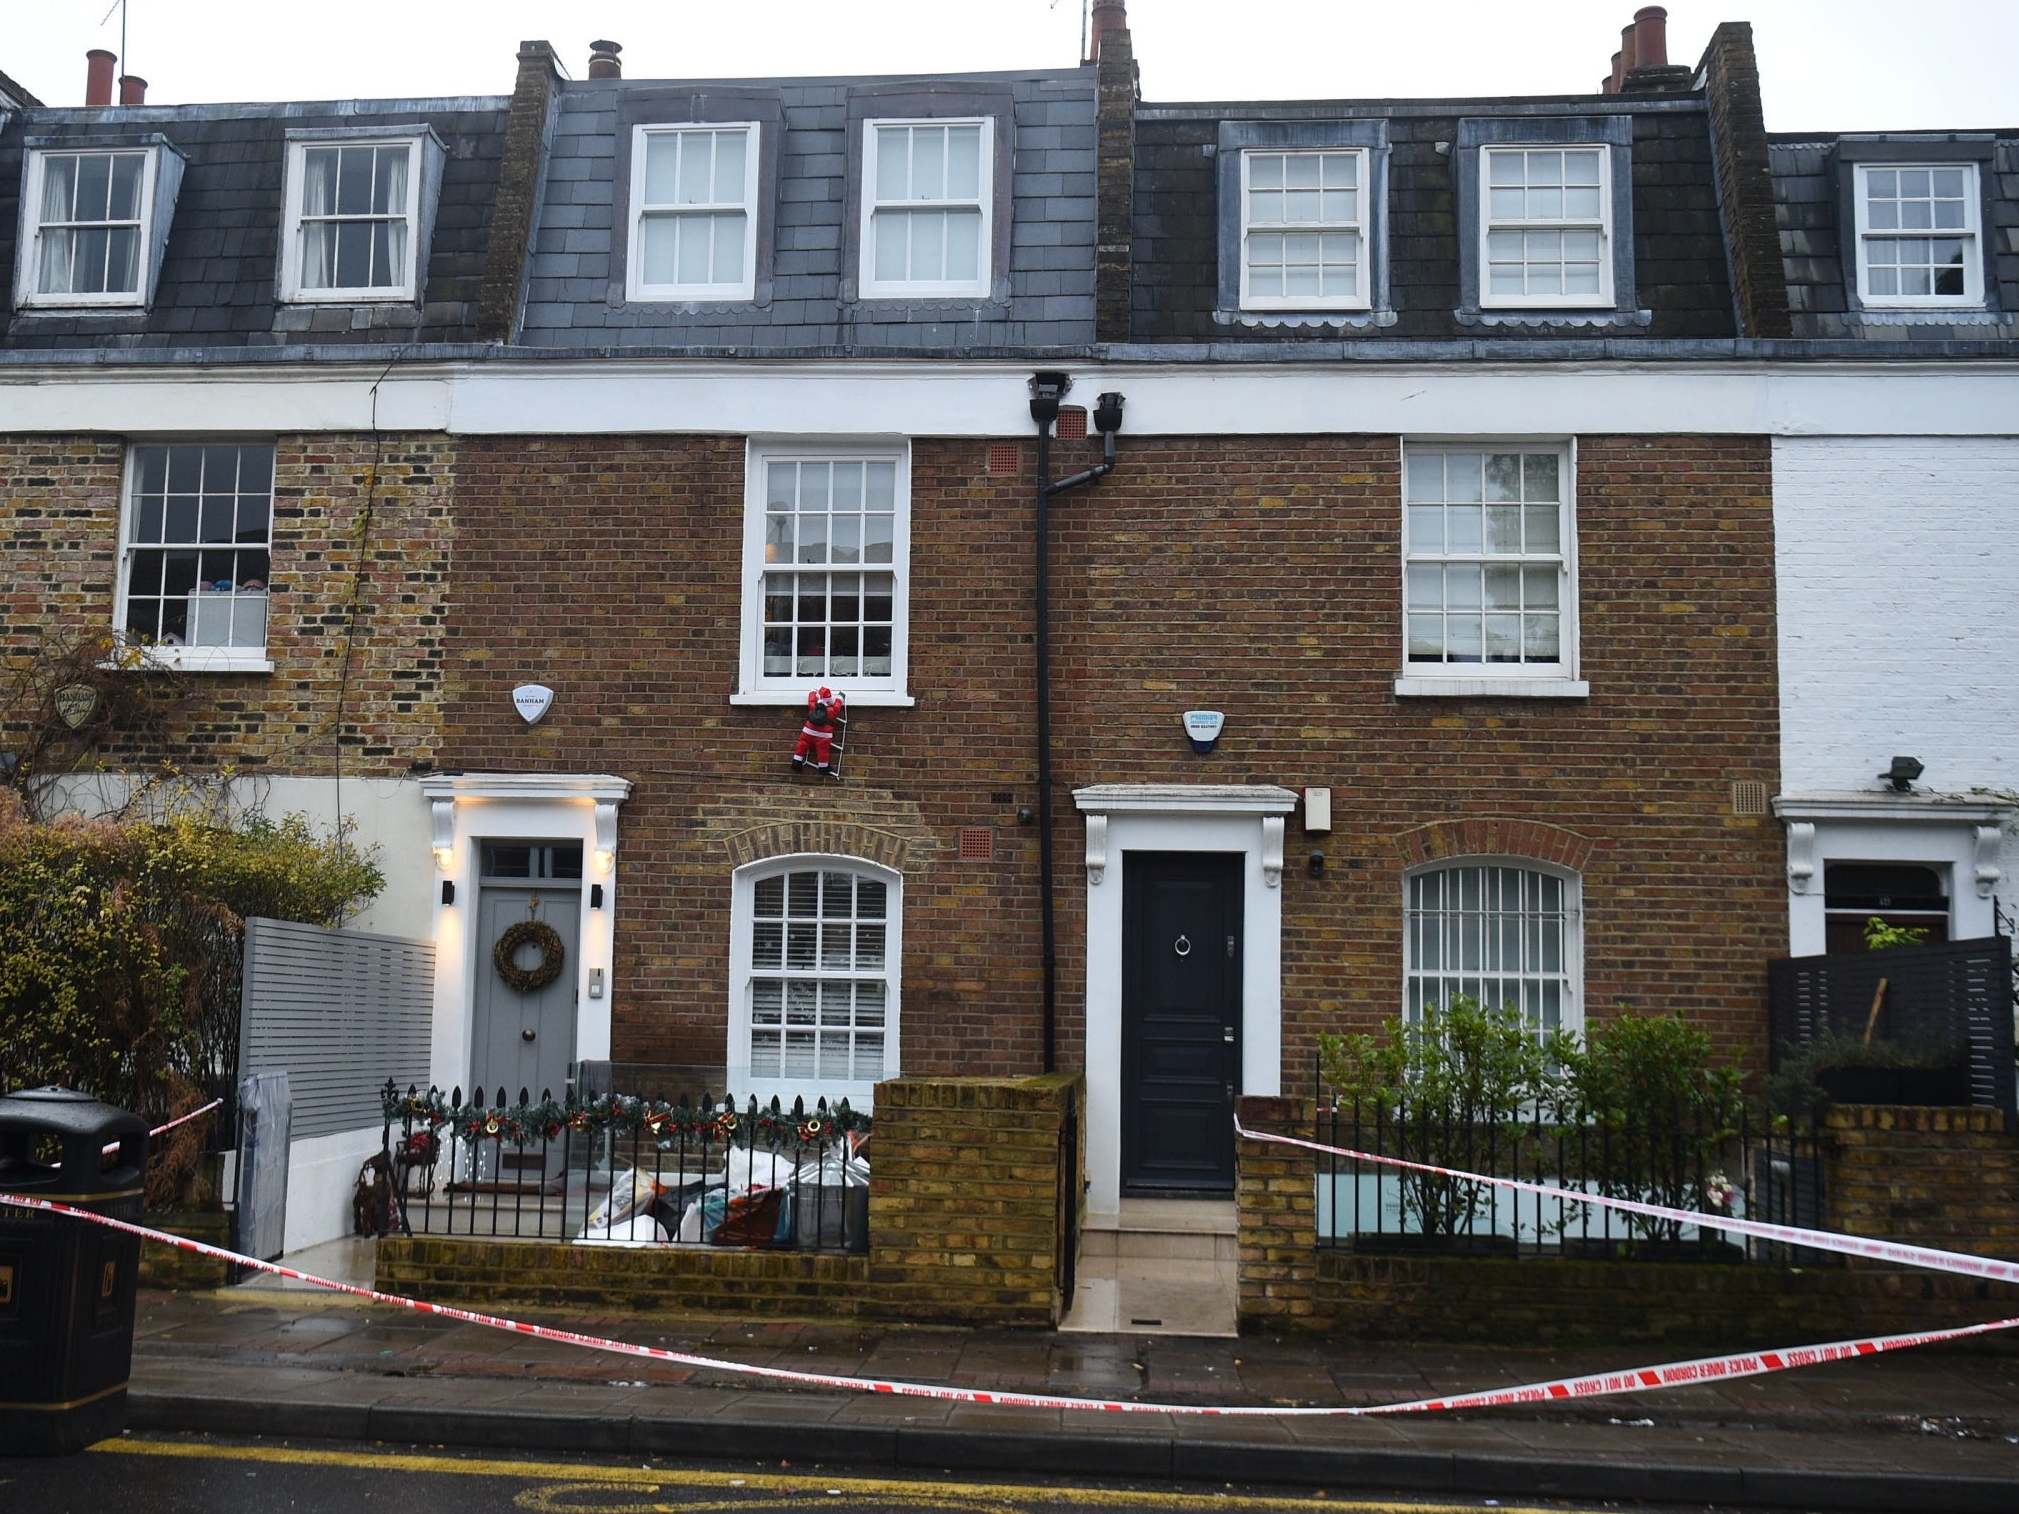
[(1626, 48), (604, 62), (132, 90), (1618, 73), (98, 76), (1650, 37)]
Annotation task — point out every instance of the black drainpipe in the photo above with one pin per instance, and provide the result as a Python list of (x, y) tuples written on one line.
[(1047, 389)]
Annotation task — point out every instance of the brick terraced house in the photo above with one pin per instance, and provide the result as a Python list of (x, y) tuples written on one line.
[(1286, 562)]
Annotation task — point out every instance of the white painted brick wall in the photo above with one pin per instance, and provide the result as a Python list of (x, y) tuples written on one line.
[(1898, 569)]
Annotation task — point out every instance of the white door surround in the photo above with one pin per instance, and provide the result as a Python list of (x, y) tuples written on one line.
[(1177, 817), (1960, 838), (467, 808)]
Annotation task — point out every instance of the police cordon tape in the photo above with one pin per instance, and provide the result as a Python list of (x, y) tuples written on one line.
[(1927, 1257), (1591, 1385), (181, 1119)]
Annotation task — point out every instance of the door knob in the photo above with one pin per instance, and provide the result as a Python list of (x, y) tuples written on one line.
[(527, 1035), (1182, 946)]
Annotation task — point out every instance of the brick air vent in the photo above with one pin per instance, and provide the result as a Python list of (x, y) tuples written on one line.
[(1004, 457), (1002, 796), (1072, 426), (1749, 797), (977, 844)]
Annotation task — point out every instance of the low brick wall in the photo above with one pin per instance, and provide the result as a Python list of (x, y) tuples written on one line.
[(1941, 1177), (1544, 1301), (964, 1227), (172, 1267), (1276, 1217), (1934, 1177)]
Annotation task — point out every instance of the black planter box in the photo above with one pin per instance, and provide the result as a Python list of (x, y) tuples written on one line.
[(1895, 1085)]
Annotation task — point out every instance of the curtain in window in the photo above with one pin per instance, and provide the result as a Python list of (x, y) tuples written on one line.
[(59, 185), (318, 198), (389, 199)]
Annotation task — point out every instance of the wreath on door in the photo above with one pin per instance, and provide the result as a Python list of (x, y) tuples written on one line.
[(537, 933)]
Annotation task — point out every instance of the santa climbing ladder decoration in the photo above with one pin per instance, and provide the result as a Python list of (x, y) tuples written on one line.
[(823, 734)]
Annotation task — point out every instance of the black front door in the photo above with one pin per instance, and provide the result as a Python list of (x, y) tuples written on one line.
[(1181, 1019)]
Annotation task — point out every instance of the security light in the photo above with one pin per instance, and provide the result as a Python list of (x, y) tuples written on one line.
[(1902, 773), (1108, 413)]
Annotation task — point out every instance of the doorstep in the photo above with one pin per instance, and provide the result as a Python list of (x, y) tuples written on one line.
[(1158, 1267)]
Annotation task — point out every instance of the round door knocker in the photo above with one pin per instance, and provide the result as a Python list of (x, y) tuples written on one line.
[(1182, 946)]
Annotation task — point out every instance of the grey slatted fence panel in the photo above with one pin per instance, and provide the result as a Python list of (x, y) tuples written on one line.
[(341, 1011)]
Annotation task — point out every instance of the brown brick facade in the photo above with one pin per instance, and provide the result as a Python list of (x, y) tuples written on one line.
[(1256, 576), (1933, 1177), (59, 526)]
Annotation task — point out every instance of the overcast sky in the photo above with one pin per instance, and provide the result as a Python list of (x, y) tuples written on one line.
[(1825, 64)]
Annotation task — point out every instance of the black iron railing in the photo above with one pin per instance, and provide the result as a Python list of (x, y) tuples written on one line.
[(698, 1170), (1718, 1163)]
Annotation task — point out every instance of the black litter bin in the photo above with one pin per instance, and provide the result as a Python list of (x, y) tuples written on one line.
[(66, 1285)]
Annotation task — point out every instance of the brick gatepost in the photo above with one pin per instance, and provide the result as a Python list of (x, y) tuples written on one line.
[(1276, 1217)]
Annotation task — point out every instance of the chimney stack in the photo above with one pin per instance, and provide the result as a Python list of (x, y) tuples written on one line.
[(98, 77), (604, 62), (1108, 16), (132, 90), (1641, 65)]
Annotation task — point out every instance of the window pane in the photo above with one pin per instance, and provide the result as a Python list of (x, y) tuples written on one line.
[(1462, 587), (1462, 528), (928, 163), (658, 241), (963, 172), (1425, 588), (1503, 167), (1503, 476), (963, 245), (1425, 476), (690, 265), (1462, 477), (928, 245), (1463, 639), (1426, 528), (695, 184), (1538, 587), (662, 162), (892, 233), (729, 244), (893, 162), (125, 194), (94, 182), (354, 181), (1503, 588)]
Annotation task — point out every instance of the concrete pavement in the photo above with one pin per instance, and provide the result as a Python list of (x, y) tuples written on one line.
[(1935, 1429)]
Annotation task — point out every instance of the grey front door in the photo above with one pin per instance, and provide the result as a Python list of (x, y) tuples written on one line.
[(526, 1040), (1181, 1020)]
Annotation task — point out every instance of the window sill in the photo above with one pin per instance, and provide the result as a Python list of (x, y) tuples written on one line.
[(191, 660), (868, 699), (349, 297), (1413, 687)]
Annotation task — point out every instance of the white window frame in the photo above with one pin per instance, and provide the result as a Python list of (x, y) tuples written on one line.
[(869, 286), (742, 976), (1361, 227), (1559, 679), (1971, 236), (292, 291), (745, 286), (753, 687), (1571, 1017), (1604, 299), (28, 265), (133, 656)]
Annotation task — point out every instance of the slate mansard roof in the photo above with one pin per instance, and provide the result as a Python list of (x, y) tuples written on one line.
[(218, 285), (1182, 211), (807, 287), (1812, 207)]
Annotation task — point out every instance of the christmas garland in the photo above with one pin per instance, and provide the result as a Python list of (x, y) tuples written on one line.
[(665, 1123), (538, 933)]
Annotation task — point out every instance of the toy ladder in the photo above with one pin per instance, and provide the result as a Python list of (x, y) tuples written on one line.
[(840, 742)]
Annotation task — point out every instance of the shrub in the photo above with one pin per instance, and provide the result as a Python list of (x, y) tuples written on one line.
[(1665, 1108), (120, 944), (1464, 1066)]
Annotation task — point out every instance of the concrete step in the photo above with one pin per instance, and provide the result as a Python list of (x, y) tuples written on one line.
[(1176, 1230)]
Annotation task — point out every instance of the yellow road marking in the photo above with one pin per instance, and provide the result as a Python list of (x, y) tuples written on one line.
[(648, 1480)]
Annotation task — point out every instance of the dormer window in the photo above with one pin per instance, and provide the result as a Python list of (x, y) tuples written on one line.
[(694, 221), (927, 208), (1303, 230), (1545, 226), (88, 223), (353, 213), (1918, 230)]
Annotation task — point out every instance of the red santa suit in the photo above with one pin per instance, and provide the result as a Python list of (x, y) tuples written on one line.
[(816, 736)]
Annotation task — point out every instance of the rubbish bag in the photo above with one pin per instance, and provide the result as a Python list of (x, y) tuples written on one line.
[(625, 1212)]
